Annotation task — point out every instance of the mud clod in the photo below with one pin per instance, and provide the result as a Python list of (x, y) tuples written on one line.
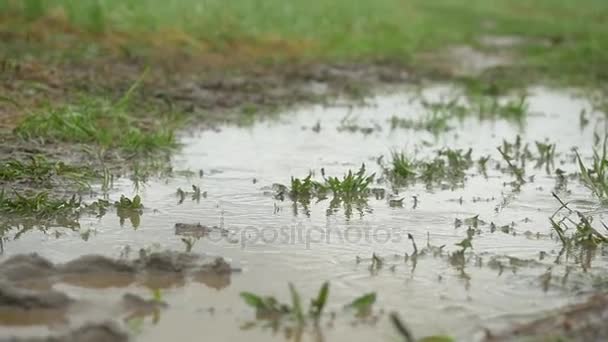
[(197, 230), (95, 264), (22, 299), (26, 267), (581, 322)]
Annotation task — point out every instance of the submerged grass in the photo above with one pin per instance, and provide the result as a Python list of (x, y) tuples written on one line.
[(595, 177), (269, 308), (29, 210), (577, 233), (447, 168), (38, 170)]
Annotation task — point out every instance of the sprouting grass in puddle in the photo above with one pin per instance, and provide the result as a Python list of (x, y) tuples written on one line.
[(101, 122), (351, 186), (269, 308), (29, 210), (406, 335), (403, 167), (39, 205), (583, 234), (447, 168), (131, 209), (39, 171), (350, 191), (595, 177), (195, 194), (439, 114)]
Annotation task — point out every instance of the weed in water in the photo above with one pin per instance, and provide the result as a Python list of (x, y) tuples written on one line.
[(448, 168), (584, 234), (351, 186), (595, 177), (350, 191), (39, 171), (363, 305), (131, 209), (270, 308), (402, 166), (407, 336)]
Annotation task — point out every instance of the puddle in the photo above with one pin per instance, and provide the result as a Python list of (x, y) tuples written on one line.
[(511, 277)]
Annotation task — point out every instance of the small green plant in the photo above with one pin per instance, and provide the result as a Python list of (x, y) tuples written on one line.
[(363, 305), (37, 170), (350, 191), (583, 235), (131, 209), (38, 205), (407, 336), (595, 177), (351, 186), (270, 308), (402, 166), (449, 167)]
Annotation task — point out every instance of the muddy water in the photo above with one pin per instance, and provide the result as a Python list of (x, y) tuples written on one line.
[(274, 242)]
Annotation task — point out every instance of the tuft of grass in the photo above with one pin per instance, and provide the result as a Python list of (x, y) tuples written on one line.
[(363, 305), (595, 177), (269, 308), (447, 168), (131, 209), (402, 166), (99, 122), (38, 170), (39, 205), (583, 233), (352, 185), (352, 189)]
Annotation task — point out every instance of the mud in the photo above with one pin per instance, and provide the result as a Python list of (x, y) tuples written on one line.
[(23, 299), (44, 305), (104, 332), (24, 269), (580, 322), (197, 230)]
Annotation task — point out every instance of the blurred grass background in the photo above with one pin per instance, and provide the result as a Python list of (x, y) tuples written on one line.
[(338, 29)]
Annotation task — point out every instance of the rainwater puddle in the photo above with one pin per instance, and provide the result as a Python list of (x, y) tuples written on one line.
[(511, 274)]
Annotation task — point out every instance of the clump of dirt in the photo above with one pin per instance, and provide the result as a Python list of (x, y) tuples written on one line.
[(25, 269), (27, 297), (138, 306), (581, 322), (24, 299), (197, 230)]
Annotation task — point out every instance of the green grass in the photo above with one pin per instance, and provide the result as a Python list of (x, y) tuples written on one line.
[(595, 177), (269, 308), (39, 205), (447, 168), (573, 34), (38, 170), (576, 233), (99, 122)]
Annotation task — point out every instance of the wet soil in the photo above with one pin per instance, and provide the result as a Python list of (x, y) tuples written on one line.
[(27, 297)]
